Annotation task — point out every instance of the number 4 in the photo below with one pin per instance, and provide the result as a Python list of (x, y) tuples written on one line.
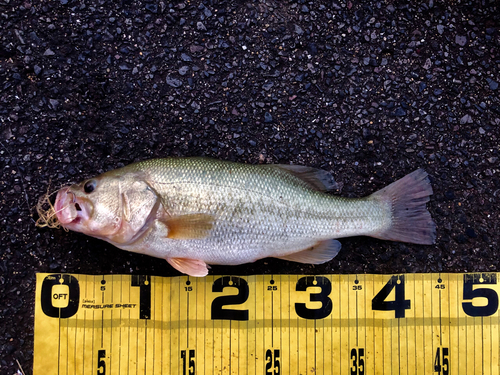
[(400, 304), (441, 362)]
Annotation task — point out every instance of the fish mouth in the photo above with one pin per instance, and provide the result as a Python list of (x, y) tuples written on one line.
[(69, 209)]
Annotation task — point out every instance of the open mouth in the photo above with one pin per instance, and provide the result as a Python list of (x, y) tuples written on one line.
[(67, 209)]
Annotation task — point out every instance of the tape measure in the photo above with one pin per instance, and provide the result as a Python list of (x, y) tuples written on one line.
[(267, 324)]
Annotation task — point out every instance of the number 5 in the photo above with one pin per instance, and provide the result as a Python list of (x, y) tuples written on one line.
[(470, 293)]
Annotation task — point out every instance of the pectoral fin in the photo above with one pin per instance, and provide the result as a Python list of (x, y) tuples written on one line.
[(191, 267), (321, 252), (187, 227)]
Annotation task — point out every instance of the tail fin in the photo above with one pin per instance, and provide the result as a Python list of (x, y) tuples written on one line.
[(411, 222)]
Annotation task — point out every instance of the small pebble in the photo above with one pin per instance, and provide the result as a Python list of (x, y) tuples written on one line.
[(460, 40)]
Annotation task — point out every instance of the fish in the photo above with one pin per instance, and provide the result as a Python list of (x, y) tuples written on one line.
[(195, 212)]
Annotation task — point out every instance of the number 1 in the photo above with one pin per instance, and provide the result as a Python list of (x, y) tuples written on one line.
[(188, 368)]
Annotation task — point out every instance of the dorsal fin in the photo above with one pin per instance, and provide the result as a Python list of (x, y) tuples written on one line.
[(317, 179)]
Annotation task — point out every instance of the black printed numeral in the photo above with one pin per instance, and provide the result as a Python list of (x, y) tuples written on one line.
[(323, 297), (218, 312), (357, 361), (400, 304), (144, 284), (441, 361), (470, 293), (188, 364), (273, 362), (101, 363)]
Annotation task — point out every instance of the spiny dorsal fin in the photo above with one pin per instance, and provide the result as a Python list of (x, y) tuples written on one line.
[(317, 179)]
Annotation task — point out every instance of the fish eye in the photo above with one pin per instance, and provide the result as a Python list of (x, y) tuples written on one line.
[(89, 186)]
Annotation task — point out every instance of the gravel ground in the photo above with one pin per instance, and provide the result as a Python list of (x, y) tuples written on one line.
[(367, 90)]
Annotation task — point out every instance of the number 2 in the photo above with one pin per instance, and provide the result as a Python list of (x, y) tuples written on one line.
[(230, 314), (272, 363)]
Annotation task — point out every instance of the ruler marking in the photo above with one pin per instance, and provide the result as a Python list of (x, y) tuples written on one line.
[(340, 325), (230, 345), (59, 341), (298, 338), (482, 346), (179, 320), (405, 343), (137, 346), (466, 346), (248, 336), (120, 331), (415, 329), (93, 326), (448, 290), (111, 330), (162, 351), (315, 344), (146, 343), (399, 345), (84, 332), (152, 316), (74, 345), (272, 316), (423, 325), (280, 286), (103, 282), (67, 346), (129, 336), (357, 338), (384, 346)]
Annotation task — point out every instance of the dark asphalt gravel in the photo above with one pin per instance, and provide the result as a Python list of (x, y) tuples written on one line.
[(367, 90)]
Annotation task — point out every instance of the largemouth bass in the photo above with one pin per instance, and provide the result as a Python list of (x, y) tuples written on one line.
[(195, 211)]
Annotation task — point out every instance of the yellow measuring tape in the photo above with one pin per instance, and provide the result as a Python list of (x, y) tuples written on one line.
[(267, 324)]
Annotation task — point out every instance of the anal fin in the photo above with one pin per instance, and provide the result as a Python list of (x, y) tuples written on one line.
[(321, 252), (191, 267)]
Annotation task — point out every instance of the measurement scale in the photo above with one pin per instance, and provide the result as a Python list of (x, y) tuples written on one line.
[(267, 324)]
